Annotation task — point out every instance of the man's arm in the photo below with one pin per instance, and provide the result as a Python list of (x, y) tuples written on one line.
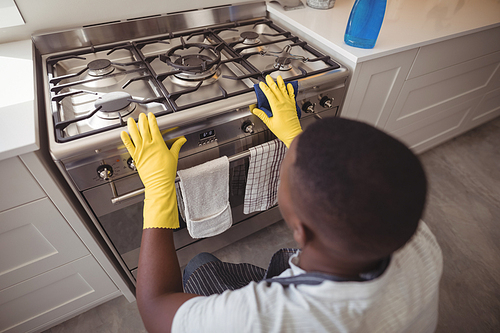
[(159, 283)]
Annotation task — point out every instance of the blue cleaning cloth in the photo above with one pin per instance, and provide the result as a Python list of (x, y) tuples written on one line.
[(263, 103)]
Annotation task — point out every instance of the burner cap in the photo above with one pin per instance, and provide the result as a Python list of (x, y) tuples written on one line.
[(191, 80), (113, 102), (195, 62), (250, 37), (192, 60), (100, 67), (283, 64)]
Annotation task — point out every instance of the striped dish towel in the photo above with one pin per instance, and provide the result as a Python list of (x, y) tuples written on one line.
[(261, 192)]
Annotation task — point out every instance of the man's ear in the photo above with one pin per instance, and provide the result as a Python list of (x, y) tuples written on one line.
[(302, 234)]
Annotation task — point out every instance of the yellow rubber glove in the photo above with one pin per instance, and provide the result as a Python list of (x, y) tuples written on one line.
[(157, 167), (284, 123)]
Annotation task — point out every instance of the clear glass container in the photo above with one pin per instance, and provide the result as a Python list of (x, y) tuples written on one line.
[(321, 4)]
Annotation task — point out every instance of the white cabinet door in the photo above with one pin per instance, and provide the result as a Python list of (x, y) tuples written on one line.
[(427, 95), (32, 304), (455, 51), (376, 89), (438, 105), (438, 127), (35, 238), (489, 106), (17, 184)]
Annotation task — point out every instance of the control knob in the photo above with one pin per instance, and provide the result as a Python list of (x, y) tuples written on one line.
[(248, 127), (308, 107), (326, 102), (105, 171), (131, 164)]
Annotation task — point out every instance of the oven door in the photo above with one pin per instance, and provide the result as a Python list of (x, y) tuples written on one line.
[(122, 221)]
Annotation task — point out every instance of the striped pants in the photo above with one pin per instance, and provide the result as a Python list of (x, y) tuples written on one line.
[(205, 274)]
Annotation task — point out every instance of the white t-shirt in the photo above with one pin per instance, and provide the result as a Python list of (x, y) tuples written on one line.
[(403, 299)]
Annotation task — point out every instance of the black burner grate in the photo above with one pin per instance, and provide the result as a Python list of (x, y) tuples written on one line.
[(190, 56)]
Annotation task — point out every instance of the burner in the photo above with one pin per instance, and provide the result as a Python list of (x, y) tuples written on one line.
[(195, 67), (250, 38), (188, 80), (286, 75), (114, 105), (195, 61), (192, 60), (100, 67), (283, 64)]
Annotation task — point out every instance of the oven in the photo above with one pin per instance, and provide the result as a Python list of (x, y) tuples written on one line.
[(195, 71)]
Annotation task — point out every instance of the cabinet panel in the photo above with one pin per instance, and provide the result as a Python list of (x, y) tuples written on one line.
[(488, 108), (36, 247), (437, 128), (376, 88), (35, 238), (50, 179), (51, 295), (17, 183), (455, 51), (424, 96)]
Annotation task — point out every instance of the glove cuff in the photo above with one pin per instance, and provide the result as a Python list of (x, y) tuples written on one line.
[(288, 141), (160, 209)]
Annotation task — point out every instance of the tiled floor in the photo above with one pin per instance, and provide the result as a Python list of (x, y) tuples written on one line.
[(463, 211)]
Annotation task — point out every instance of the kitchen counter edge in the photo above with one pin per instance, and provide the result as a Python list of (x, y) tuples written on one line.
[(18, 110)]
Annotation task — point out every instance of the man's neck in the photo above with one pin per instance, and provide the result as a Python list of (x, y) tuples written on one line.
[(311, 260)]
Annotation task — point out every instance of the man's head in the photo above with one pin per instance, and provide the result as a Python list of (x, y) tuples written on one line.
[(357, 191)]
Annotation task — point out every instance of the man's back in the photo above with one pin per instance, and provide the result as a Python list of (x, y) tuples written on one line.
[(403, 299), (351, 195)]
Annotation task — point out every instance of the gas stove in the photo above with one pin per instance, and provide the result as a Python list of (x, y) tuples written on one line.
[(196, 72), (97, 77), (97, 89)]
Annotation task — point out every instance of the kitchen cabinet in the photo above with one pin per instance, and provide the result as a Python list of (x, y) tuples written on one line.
[(374, 92), (43, 300), (47, 274), (443, 99), (34, 238), (51, 266), (18, 186), (430, 94)]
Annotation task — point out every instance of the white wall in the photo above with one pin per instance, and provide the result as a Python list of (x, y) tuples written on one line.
[(53, 15)]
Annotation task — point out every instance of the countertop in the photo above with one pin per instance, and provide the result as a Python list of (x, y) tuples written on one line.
[(18, 113), (407, 24)]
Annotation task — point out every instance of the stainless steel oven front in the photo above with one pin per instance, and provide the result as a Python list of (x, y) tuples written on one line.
[(116, 202)]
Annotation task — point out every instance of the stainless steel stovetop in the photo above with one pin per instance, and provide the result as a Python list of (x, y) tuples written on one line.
[(176, 66)]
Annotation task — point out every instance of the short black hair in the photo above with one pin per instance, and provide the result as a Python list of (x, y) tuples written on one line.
[(357, 185)]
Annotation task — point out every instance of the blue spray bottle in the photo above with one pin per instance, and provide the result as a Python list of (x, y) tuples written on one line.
[(364, 23)]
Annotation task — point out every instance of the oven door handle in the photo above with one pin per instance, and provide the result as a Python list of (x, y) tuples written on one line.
[(119, 198)]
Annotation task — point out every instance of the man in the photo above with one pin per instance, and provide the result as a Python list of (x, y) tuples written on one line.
[(352, 196)]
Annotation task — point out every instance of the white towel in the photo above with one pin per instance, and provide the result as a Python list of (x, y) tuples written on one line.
[(204, 198), (261, 192)]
